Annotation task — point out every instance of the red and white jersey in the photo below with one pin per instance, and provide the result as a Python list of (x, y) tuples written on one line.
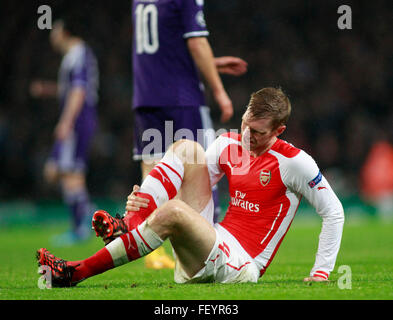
[(265, 192)]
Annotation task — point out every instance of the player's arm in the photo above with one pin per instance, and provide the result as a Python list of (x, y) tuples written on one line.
[(217, 156), (203, 57), (231, 65), (43, 88), (305, 178), (72, 108), (195, 33)]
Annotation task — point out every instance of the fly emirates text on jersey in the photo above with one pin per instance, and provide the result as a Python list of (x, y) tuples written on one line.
[(238, 201)]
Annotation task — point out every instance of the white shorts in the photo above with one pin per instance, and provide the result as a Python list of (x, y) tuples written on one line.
[(227, 262)]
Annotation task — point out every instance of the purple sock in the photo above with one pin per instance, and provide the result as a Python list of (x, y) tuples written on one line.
[(79, 205)]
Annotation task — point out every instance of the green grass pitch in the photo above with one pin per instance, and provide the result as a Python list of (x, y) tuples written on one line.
[(366, 248)]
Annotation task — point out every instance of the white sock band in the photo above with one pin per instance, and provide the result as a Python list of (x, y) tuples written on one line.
[(134, 244)]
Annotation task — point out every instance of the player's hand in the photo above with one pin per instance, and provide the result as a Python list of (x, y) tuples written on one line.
[(134, 202), (51, 173), (36, 88), (315, 279), (43, 88), (225, 105), (231, 65)]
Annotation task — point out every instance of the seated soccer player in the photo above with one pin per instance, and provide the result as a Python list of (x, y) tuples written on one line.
[(267, 179)]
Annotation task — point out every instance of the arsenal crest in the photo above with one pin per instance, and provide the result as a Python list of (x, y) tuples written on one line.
[(264, 177)]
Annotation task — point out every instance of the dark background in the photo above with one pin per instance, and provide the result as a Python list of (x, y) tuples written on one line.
[(339, 82)]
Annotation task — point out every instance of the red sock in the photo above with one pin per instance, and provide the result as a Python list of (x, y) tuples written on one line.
[(96, 264), (161, 184), (128, 247), (134, 218)]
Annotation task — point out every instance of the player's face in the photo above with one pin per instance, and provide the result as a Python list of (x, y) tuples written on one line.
[(56, 36), (258, 134)]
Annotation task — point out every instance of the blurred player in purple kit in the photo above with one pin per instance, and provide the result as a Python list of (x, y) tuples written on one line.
[(76, 89), (170, 49)]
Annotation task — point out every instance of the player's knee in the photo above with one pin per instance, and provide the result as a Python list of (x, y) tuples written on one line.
[(170, 214), (191, 152), (173, 210)]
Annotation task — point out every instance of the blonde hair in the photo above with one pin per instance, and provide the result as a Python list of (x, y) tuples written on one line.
[(270, 103)]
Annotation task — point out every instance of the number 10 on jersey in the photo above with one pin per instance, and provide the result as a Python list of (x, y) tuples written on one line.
[(146, 29)]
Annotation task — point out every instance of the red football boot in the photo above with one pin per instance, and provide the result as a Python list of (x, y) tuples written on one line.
[(108, 227), (61, 272)]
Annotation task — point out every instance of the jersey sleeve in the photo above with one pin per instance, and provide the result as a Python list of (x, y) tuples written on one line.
[(212, 156), (78, 74), (193, 19), (304, 177)]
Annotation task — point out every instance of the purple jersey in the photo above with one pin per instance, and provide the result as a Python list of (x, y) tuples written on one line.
[(79, 69), (163, 69)]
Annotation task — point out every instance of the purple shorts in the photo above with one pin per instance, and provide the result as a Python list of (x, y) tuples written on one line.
[(156, 128), (71, 155)]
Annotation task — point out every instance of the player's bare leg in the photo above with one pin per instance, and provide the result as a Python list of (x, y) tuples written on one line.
[(181, 219), (195, 188), (196, 174), (191, 236)]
